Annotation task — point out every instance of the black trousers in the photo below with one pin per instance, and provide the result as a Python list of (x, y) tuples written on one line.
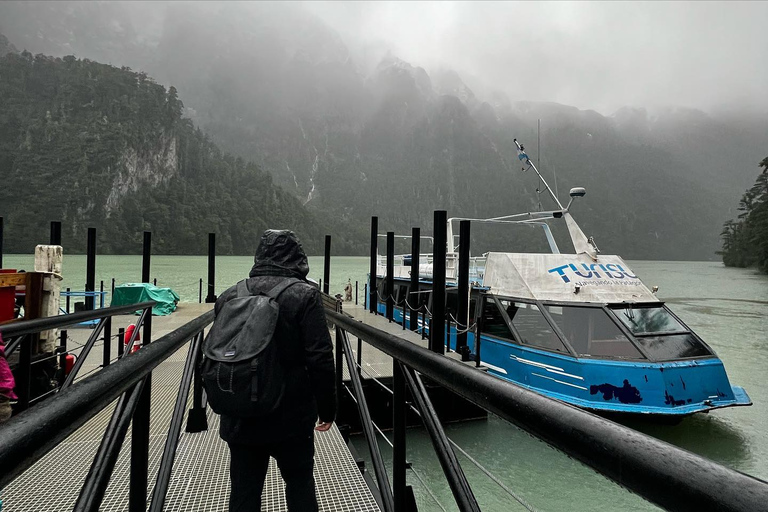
[(295, 456)]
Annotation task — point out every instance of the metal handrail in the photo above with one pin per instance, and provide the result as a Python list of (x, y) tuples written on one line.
[(661, 473), (26, 438), (55, 322)]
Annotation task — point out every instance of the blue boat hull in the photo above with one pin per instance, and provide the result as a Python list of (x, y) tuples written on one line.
[(676, 388)]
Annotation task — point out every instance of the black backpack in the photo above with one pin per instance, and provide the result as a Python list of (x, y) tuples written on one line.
[(241, 369)]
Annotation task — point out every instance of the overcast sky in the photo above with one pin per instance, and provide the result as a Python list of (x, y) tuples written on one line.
[(598, 55)]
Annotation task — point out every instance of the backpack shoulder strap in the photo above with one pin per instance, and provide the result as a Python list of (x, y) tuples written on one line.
[(275, 292)]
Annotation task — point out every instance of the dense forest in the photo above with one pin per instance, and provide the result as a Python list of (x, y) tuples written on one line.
[(745, 240), (93, 145)]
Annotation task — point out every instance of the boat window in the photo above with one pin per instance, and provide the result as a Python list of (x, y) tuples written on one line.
[(402, 293), (493, 321), (591, 332), (532, 326), (673, 346), (648, 320), (659, 333)]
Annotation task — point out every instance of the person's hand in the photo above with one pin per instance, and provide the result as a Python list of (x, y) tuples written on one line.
[(324, 426)]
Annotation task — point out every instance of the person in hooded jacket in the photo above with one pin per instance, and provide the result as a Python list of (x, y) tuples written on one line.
[(306, 353)]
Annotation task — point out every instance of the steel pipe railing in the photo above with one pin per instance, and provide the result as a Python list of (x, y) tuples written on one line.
[(661, 473), (27, 437)]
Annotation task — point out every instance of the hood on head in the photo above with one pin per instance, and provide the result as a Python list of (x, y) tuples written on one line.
[(280, 254)]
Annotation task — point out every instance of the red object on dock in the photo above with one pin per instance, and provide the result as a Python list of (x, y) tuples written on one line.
[(128, 333), (69, 363)]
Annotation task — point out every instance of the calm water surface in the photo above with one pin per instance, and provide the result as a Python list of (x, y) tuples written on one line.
[(727, 307)]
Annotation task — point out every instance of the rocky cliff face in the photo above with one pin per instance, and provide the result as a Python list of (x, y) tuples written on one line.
[(137, 167), (6, 47)]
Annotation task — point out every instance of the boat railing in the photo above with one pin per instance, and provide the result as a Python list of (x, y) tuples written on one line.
[(665, 475), (31, 434)]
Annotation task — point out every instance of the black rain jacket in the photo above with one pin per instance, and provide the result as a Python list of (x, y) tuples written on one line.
[(304, 343)]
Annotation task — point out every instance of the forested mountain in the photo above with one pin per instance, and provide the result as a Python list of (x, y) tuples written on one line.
[(353, 132), (745, 240), (97, 146)]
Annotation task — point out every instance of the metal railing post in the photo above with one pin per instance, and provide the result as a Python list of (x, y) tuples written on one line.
[(137, 496), (1, 242), (355, 292), (211, 268), (462, 492), (174, 430), (68, 299), (120, 342), (360, 356), (107, 341), (327, 266), (90, 270), (399, 411), (463, 309), (437, 325), (197, 418), (390, 286), (415, 256), (382, 479), (479, 327), (62, 356), (200, 293), (373, 300), (339, 366)]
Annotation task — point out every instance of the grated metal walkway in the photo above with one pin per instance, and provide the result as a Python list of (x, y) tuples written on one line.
[(200, 478)]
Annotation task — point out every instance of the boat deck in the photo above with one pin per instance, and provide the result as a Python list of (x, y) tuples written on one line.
[(200, 479)]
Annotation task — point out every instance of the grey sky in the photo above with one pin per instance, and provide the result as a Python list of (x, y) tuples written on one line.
[(599, 55)]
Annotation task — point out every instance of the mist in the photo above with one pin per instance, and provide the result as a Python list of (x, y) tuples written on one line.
[(593, 55)]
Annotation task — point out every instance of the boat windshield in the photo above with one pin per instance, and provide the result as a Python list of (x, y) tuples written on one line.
[(659, 333), (648, 320), (592, 333)]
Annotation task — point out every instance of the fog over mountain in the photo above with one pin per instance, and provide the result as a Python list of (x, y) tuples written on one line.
[(397, 109)]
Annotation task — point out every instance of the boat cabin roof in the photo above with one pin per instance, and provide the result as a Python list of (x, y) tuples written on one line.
[(607, 279)]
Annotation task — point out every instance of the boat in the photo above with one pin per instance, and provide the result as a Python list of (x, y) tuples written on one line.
[(579, 327)]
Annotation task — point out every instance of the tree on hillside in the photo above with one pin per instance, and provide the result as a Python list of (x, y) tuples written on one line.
[(745, 241)]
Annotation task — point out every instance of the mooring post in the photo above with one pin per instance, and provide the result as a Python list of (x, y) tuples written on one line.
[(463, 320), (113, 288), (90, 270), (413, 298), (55, 233), (211, 268), (373, 301), (68, 299), (398, 425), (437, 325), (107, 333), (390, 286), (327, 266), (137, 495), (355, 293), (365, 296), (101, 294)]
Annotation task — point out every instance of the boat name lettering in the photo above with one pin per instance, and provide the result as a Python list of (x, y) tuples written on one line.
[(593, 271)]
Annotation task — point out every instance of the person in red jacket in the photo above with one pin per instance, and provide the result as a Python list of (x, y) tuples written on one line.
[(306, 353)]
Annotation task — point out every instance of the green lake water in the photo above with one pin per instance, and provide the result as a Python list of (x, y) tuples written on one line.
[(727, 307)]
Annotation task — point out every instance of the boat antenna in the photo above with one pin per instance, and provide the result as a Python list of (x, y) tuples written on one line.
[(521, 154), (538, 158)]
